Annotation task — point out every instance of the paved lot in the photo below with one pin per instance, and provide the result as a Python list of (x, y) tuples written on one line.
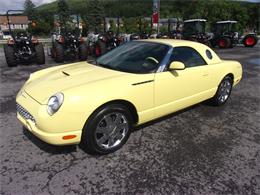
[(202, 150)]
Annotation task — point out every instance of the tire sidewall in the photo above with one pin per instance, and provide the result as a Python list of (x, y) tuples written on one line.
[(10, 56), (83, 52), (216, 98), (40, 55), (88, 134)]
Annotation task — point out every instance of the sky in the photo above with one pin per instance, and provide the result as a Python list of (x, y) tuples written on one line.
[(18, 4)]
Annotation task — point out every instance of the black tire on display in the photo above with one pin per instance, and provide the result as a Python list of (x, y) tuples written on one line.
[(40, 56), (223, 92), (107, 129), (58, 52), (83, 52), (10, 56)]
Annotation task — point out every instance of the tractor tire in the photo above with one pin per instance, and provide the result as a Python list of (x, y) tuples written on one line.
[(224, 43), (250, 41), (58, 52), (83, 52), (100, 49), (213, 43), (40, 56), (10, 56)]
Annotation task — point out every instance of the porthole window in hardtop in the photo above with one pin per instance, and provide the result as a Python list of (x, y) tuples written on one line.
[(209, 54)]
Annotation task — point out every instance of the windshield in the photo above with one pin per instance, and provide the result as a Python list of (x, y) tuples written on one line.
[(134, 57), (191, 28)]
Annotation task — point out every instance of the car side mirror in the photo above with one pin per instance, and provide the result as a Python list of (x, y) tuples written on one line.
[(176, 65)]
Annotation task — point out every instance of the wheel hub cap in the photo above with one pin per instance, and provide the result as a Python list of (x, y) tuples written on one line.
[(111, 130), (225, 89)]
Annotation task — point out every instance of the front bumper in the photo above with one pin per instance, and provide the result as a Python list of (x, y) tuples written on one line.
[(33, 116)]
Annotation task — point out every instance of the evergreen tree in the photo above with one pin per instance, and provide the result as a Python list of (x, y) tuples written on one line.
[(29, 9), (95, 15), (63, 12)]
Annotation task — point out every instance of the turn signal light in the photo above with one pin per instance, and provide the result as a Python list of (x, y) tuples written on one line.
[(66, 137)]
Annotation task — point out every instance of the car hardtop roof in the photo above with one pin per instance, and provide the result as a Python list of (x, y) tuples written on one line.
[(226, 21), (174, 42), (195, 20)]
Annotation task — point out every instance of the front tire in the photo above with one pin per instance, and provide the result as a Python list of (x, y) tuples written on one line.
[(83, 52), (223, 92), (10, 56), (40, 56), (58, 52), (107, 129)]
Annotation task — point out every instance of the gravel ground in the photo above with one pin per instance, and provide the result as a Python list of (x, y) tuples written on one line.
[(202, 150)]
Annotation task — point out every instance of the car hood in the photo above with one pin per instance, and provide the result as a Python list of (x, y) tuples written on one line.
[(42, 85)]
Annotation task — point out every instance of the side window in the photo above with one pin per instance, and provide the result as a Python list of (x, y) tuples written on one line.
[(188, 56)]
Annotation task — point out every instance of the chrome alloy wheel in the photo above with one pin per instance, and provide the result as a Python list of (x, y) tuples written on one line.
[(111, 130), (224, 90)]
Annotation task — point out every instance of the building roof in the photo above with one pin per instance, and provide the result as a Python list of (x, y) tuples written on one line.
[(14, 19)]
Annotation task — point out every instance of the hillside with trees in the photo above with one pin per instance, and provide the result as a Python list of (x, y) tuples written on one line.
[(247, 14)]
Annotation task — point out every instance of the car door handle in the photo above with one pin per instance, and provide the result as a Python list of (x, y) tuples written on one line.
[(205, 74)]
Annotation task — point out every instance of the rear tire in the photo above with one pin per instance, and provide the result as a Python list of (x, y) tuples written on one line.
[(224, 43), (58, 52), (250, 41), (10, 56), (115, 128), (223, 92), (40, 56), (83, 52)]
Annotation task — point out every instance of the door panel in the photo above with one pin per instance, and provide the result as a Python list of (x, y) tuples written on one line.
[(178, 89)]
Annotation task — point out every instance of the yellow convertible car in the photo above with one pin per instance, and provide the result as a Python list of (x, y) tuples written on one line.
[(97, 103)]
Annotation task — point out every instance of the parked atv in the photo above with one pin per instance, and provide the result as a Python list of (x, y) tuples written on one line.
[(194, 30), (226, 35), (99, 44), (68, 45), (22, 47)]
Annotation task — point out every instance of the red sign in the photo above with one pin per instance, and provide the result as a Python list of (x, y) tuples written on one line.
[(156, 10)]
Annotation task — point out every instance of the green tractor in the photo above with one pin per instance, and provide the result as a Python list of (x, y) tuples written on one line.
[(225, 35), (194, 30)]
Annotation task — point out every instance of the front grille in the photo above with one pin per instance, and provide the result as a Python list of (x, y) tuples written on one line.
[(24, 113)]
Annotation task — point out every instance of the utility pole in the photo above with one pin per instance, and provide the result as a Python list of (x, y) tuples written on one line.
[(158, 24)]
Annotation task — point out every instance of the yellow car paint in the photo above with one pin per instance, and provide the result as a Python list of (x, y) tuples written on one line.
[(86, 87)]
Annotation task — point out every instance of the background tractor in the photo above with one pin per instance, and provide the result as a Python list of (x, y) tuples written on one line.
[(194, 30), (226, 35), (22, 47)]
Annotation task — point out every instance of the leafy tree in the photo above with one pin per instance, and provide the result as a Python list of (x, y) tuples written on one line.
[(29, 9)]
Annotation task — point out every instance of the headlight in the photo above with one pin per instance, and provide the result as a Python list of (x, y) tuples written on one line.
[(55, 103)]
